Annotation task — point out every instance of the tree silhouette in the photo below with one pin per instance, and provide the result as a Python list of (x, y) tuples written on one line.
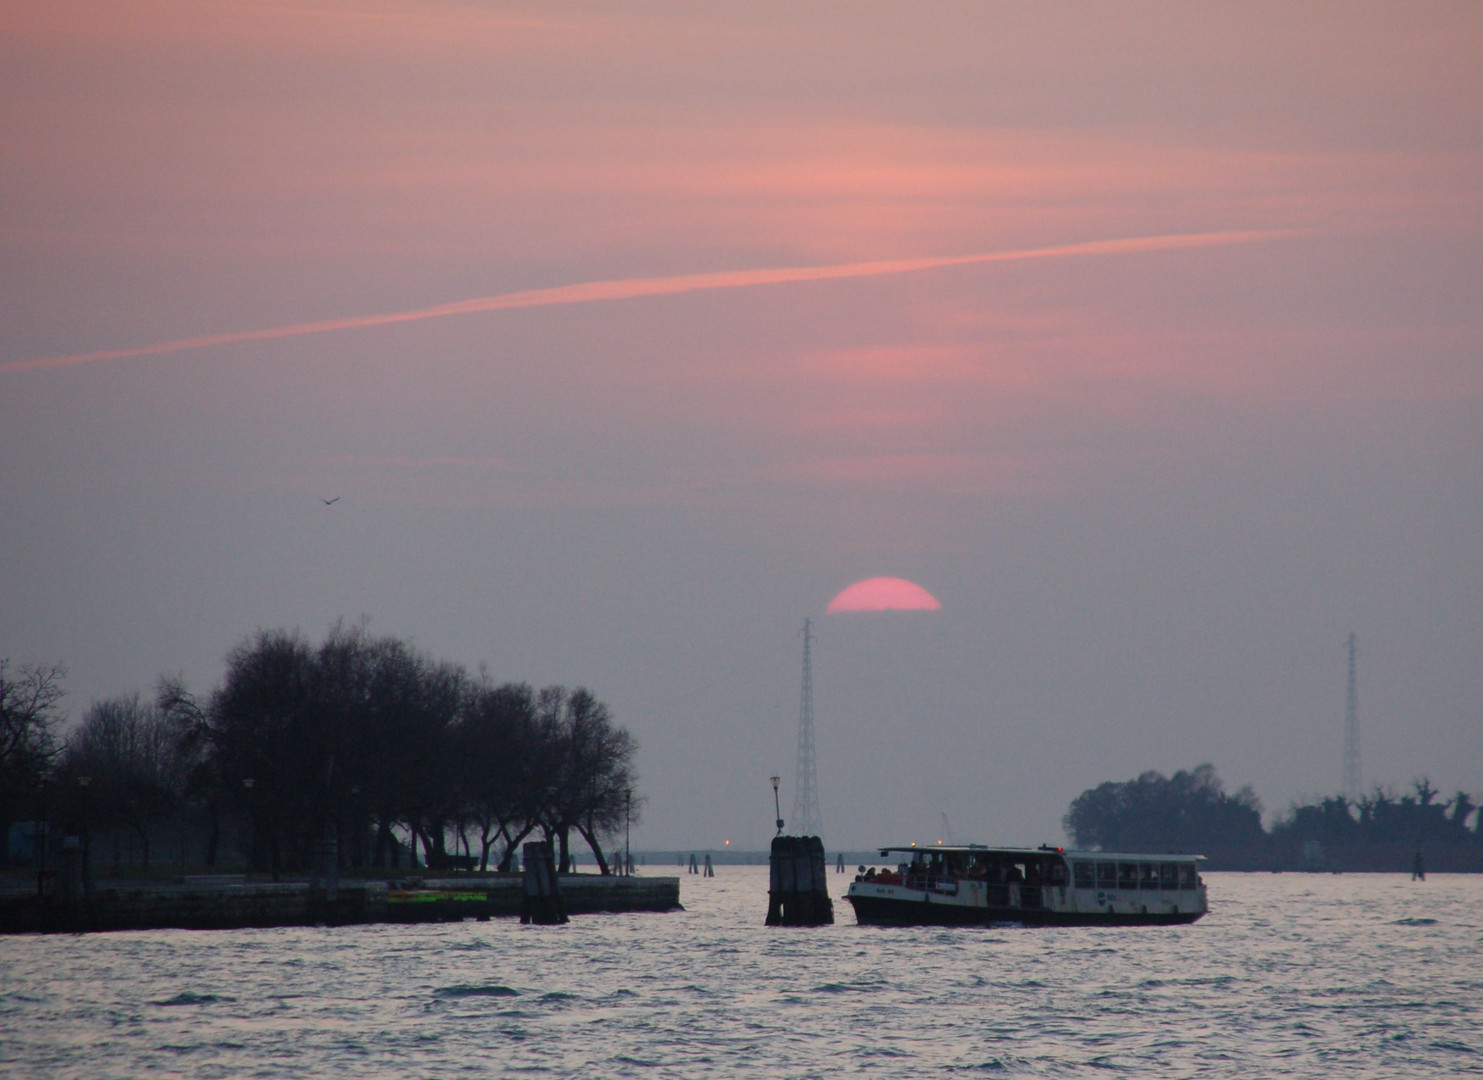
[(29, 718), (1188, 812), (132, 756), (363, 734)]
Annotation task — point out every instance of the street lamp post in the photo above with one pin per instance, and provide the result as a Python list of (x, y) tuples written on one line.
[(39, 841), (357, 837), (251, 825), (627, 820), (87, 836), (775, 805)]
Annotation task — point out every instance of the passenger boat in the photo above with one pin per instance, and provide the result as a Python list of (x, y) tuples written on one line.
[(973, 885)]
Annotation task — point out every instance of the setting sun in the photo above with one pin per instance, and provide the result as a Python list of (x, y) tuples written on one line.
[(883, 594)]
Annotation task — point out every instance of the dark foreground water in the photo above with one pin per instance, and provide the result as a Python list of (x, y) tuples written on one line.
[(1293, 975)]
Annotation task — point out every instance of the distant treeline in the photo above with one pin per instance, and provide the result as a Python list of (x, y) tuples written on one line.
[(1191, 812), (359, 746)]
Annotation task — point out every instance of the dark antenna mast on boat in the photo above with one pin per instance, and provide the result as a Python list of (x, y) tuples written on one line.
[(1351, 727), (806, 818)]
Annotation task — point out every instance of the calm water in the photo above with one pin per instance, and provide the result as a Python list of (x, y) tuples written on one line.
[(1289, 975)]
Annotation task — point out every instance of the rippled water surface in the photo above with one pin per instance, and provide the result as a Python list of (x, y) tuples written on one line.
[(1292, 975)]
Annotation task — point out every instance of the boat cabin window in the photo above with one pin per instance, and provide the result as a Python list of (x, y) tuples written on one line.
[(1127, 875), (1189, 877), (1055, 872), (1149, 878), (1086, 875), (1107, 875), (1169, 875)]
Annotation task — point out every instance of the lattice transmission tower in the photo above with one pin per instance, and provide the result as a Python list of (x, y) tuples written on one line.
[(806, 818), (1351, 726)]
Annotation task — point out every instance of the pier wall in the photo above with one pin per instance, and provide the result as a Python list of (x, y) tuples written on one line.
[(199, 905)]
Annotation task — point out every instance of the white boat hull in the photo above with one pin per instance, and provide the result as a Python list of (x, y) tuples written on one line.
[(920, 908), (1103, 890)]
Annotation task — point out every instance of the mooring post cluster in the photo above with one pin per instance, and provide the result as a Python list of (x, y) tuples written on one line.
[(798, 893), (541, 902)]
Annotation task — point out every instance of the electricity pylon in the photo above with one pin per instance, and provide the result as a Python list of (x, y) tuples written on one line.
[(806, 818), (1351, 728)]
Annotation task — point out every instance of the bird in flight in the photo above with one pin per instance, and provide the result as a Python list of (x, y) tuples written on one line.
[(330, 502)]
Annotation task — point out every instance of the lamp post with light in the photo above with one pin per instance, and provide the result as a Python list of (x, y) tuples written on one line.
[(777, 807), (627, 820)]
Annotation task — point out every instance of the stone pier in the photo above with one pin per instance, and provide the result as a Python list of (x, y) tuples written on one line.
[(229, 902)]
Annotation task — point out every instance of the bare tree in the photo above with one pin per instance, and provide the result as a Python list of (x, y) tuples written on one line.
[(262, 733), (131, 755), (493, 751), (198, 781), (364, 731), (593, 778), (29, 718)]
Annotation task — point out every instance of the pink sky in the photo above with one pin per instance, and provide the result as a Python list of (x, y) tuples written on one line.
[(256, 253)]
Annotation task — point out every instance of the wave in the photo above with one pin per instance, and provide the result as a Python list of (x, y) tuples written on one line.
[(1457, 1047), (847, 988), (187, 998), (993, 1065), (493, 990)]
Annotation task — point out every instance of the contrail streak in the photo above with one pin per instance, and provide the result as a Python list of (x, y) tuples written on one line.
[(634, 288)]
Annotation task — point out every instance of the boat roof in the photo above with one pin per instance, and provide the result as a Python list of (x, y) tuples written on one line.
[(1043, 849)]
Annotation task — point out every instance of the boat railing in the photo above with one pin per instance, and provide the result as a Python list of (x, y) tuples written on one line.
[(938, 883)]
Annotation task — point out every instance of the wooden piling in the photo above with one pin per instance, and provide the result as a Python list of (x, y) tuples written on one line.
[(541, 903), (798, 893)]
